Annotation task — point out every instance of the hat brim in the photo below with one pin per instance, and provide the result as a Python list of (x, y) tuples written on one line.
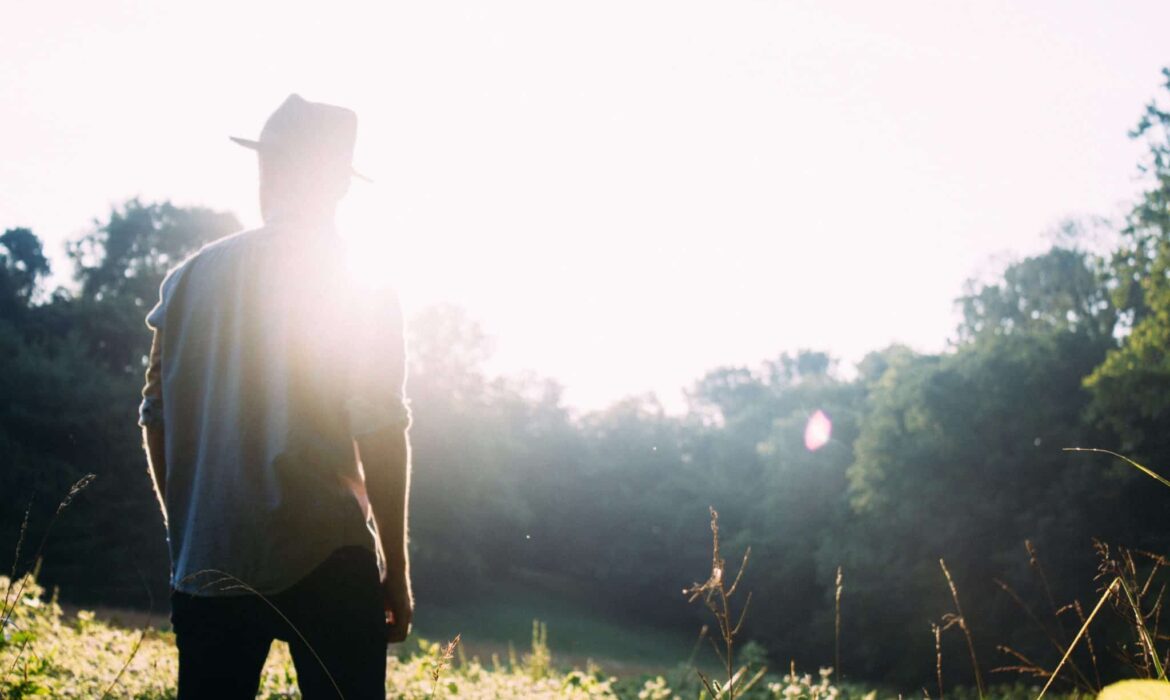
[(256, 146), (246, 143)]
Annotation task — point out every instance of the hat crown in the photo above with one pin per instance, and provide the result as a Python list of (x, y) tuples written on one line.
[(312, 129)]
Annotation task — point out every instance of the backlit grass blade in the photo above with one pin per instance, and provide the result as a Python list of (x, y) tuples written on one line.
[(1068, 652), (1148, 471)]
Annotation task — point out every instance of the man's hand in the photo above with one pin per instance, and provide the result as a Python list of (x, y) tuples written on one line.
[(385, 456), (396, 600)]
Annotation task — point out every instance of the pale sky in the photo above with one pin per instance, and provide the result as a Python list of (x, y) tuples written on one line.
[(624, 193)]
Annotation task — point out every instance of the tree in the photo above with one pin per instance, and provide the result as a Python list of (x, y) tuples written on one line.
[(128, 256), (121, 263), (467, 512), (22, 265), (959, 456), (1061, 290), (1131, 388), (449, 349)]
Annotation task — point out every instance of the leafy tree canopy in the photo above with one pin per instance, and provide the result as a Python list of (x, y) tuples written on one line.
[(22, 265), (1131, 389)]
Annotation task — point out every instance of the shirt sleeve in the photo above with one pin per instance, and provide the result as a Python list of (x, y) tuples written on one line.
[(154, 319), (377, 382), (150, 411)]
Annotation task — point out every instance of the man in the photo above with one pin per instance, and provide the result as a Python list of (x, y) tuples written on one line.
[(273, 413)]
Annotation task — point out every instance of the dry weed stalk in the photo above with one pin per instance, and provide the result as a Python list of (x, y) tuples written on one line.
[(12, 596), (1024, 665), (938, 657), (137, 644), (445, 656), (1129, 589), (1135, 590), (1028, 667), (1097, 608), (698, 643), (716, 595), (837, 622), (957, 618), (10, 604), (126, 664), (1038, 568), (1056, 634), (1088, 643), (16, 556)]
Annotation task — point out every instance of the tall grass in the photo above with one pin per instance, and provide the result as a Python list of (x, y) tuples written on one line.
[(957, 618), (15, 590), (9, 606), (1128, 593)]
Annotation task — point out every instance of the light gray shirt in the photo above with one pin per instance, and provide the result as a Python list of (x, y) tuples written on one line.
[(267, 362)]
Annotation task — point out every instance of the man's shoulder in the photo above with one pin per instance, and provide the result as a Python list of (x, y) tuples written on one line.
[(222, 250), (230, 244), (210, 266)]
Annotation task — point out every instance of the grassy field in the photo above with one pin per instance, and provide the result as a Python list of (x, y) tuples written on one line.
[(578, 631), (47, 653), (499, 648), (502, 624)]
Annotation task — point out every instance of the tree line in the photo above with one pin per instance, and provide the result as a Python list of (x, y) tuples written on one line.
[(956, 455)]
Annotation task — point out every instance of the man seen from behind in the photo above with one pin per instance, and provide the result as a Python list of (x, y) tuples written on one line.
[(276, 428)]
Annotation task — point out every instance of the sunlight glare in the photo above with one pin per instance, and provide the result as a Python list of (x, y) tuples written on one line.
[(817, 431), (371, 252)]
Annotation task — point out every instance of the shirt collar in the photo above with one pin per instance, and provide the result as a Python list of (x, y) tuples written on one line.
[(302, 222)]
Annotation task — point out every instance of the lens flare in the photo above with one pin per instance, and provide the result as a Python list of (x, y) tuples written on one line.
[(817, 431)]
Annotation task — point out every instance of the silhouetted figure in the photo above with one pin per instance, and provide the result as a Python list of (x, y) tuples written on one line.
[(268, 367)]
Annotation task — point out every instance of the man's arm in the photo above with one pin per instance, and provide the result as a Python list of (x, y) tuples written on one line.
[(150, 418), (154, 441), (379, 416), (385, 456)]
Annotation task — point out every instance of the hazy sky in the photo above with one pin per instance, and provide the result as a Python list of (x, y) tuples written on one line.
[(624, 193)]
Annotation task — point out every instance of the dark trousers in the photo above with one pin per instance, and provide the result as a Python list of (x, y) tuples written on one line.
[(224, 640)]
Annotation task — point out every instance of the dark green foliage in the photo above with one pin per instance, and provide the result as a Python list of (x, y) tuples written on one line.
[(960, 458), (22, 265), (1131, 389)]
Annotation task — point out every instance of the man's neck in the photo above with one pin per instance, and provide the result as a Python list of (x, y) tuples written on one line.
[(301, 218)]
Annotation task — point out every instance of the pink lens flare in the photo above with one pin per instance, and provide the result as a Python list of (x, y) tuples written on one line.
[(818, 431)]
